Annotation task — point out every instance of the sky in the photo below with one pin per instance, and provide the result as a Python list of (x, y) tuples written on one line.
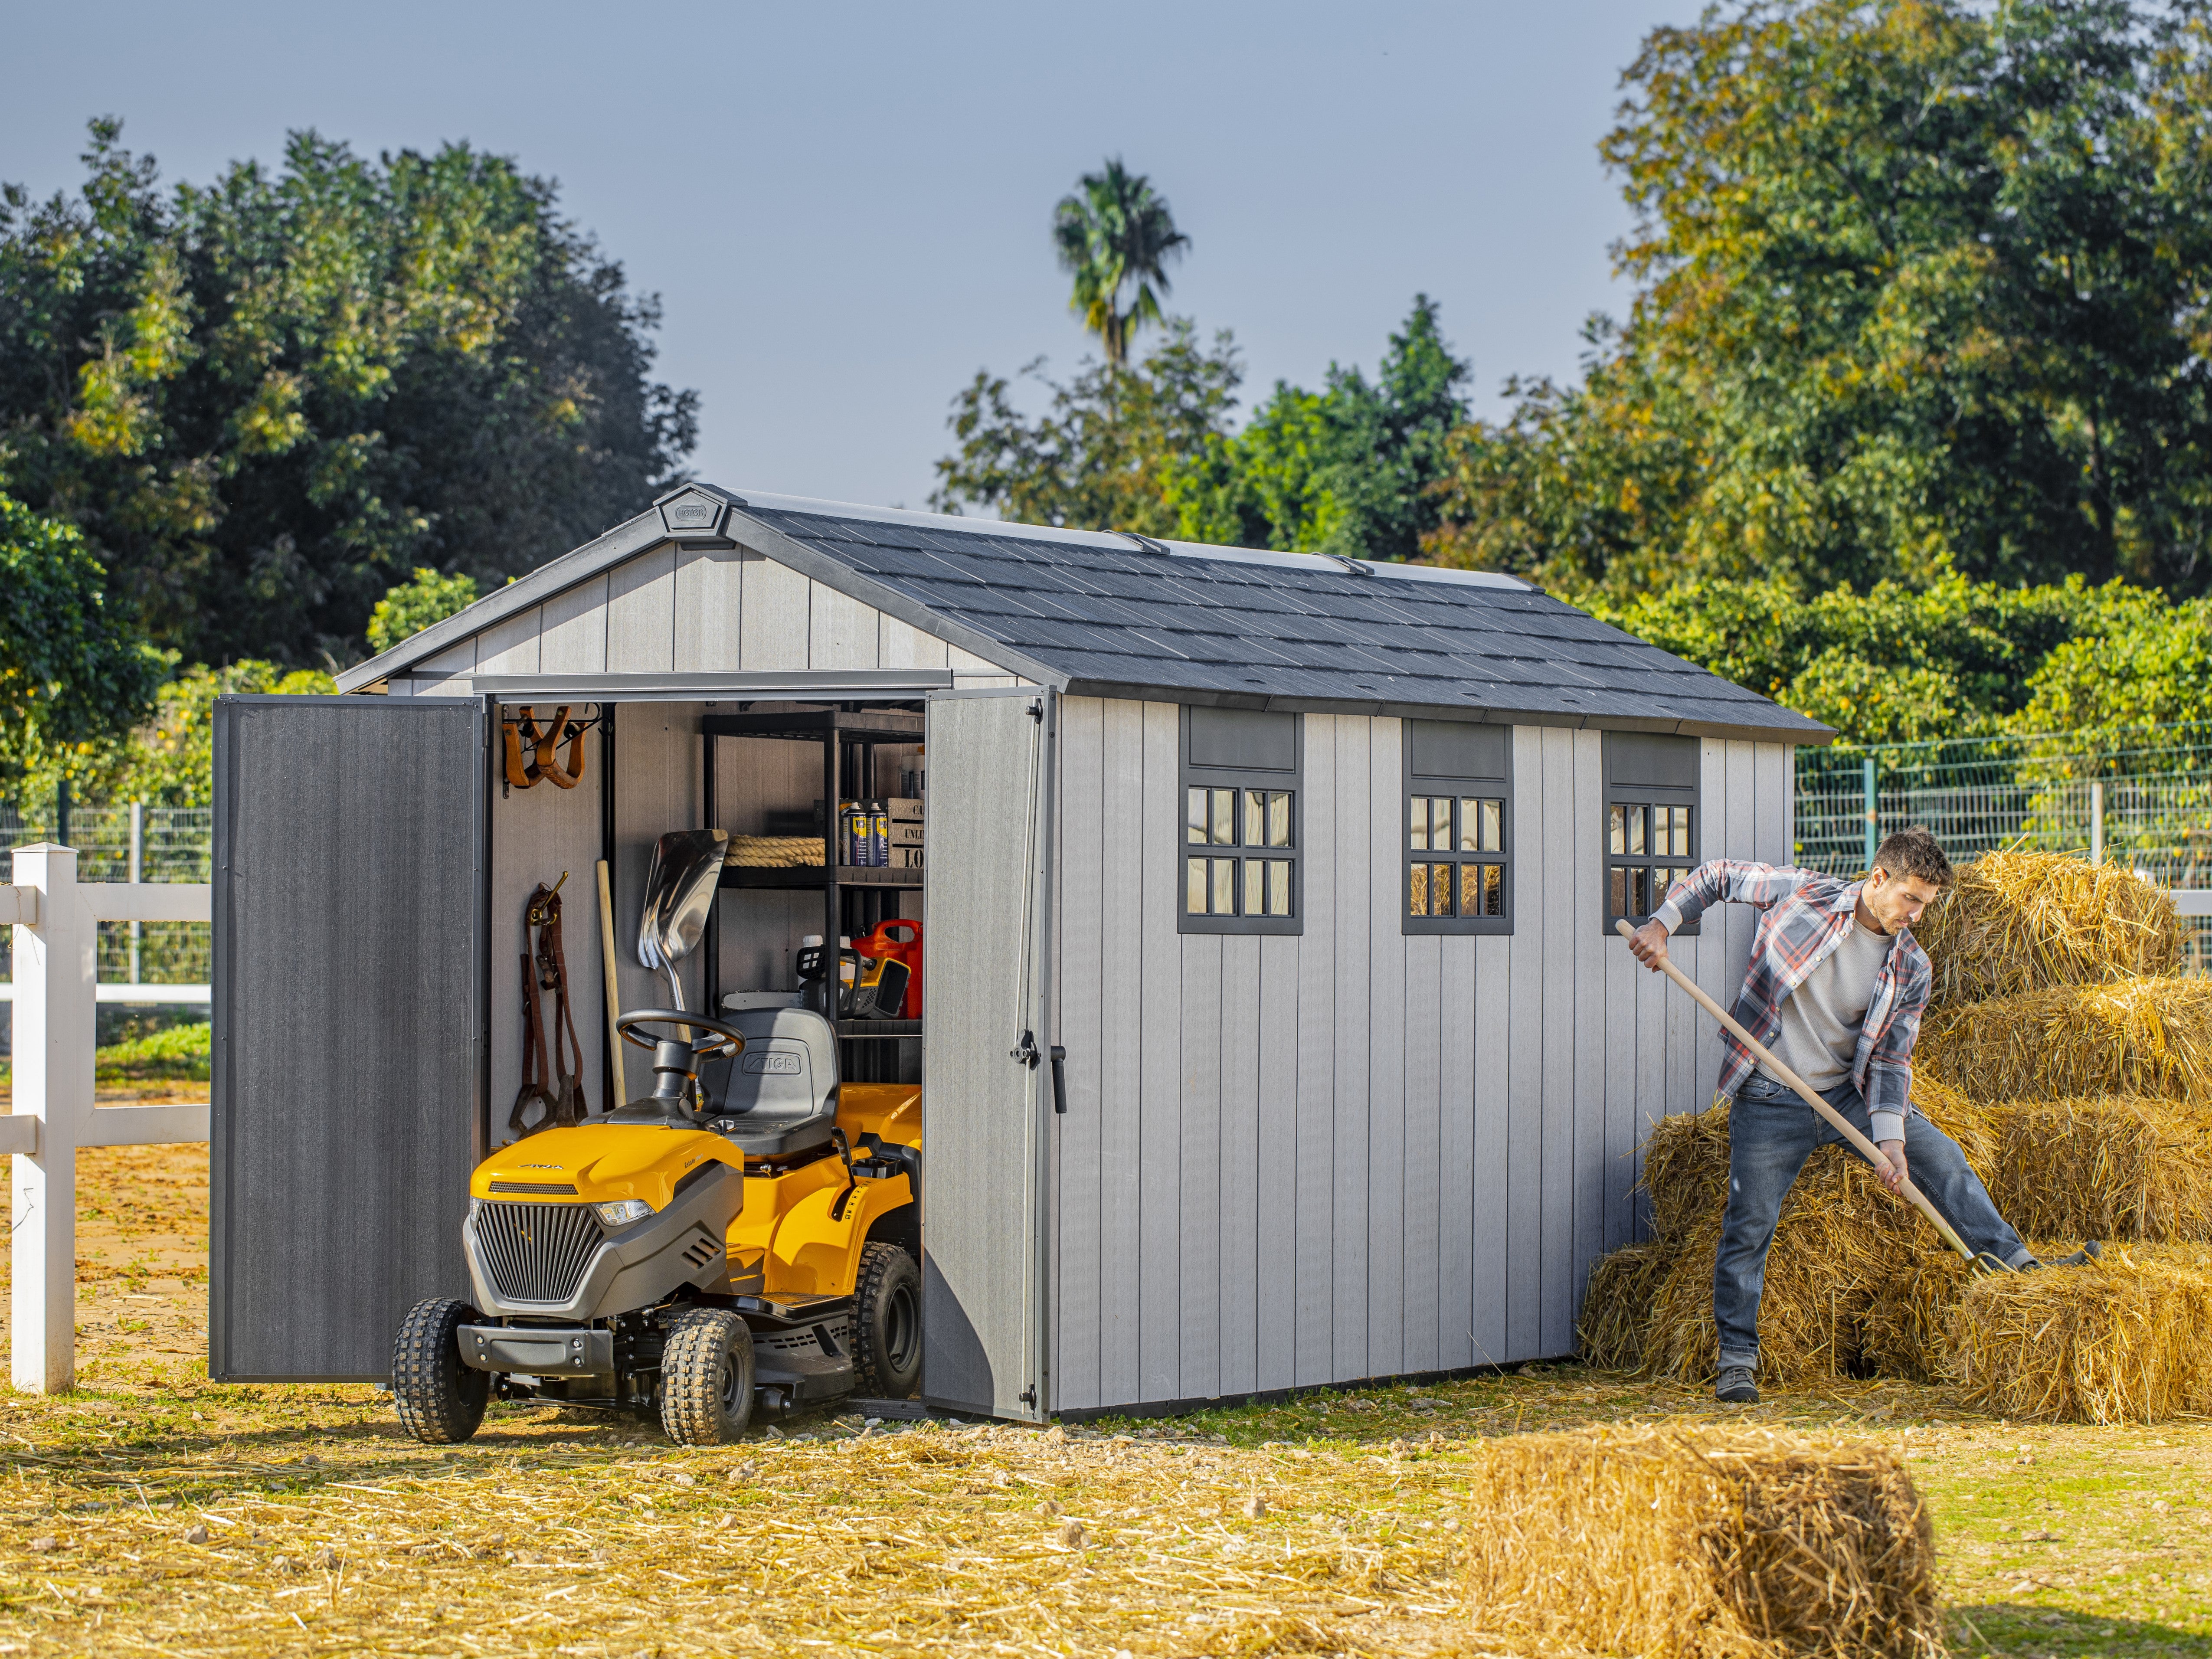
[(845, 210)]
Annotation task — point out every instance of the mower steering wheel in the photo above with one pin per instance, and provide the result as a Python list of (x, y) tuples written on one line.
[(720, 1033)]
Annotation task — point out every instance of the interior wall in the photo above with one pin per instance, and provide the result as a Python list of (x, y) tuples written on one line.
[(537, 834), (1347, 1154)]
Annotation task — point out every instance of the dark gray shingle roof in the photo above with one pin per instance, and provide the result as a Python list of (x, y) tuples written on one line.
[(1309, 633)]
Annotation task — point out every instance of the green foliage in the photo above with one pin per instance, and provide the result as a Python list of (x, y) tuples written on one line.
[(74, 672), (1351, 469), (1923, 287), (2139, 662), (1116, 232), (1099, 458), (264, 401), (181, 1052), (406, 610)]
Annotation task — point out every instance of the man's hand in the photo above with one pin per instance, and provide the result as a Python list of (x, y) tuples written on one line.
[(1894, 1176), (1649, 942)]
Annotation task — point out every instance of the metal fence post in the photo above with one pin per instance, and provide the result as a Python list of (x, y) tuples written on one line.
[(1873, 830), (137, 873), (57, 964), (2096, 823)]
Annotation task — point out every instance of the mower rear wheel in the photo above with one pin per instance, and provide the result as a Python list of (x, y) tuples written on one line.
[(706, 1377), (440, 1401), (887, 1322)]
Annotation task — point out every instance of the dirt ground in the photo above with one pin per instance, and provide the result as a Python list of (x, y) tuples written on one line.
[(153, 1512)]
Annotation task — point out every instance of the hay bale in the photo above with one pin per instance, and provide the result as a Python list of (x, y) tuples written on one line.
[(2110, 1169), (2118, 1341), (2141, 1036), (1617, 1306), (1701, 1542), (2028, 921)]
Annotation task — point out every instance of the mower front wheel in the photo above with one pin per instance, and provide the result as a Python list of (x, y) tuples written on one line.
[(887, 1322), (707, 1378), (440, 1401)]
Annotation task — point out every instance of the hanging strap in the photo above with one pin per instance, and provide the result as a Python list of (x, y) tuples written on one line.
[(533, 1090), (569, 1104)]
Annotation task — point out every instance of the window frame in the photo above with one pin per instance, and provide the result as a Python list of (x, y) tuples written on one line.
[(1634, 794), (1411, 783), (1240, 778)]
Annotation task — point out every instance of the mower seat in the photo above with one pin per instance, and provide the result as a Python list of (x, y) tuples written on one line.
[(780, 1097)]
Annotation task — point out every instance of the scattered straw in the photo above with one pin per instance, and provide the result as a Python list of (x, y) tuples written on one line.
[(2142, 1037), (2028, 921), (1677, 1541)]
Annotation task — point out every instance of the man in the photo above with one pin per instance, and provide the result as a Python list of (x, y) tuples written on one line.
[(1835, 991)]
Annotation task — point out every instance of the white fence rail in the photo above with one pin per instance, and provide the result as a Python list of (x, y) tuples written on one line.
[(55, 994)]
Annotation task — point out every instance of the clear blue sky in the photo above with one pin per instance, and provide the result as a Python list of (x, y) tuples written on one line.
[(845, 208)]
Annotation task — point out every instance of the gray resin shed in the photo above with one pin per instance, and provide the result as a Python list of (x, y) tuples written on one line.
[(1308, 866)]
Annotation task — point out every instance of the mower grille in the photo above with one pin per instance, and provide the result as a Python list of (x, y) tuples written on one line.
[(537, 1252)]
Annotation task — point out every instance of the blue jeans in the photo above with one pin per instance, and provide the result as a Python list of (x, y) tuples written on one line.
[(1771, 1135)]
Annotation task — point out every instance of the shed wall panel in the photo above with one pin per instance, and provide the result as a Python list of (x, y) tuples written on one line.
[(573, 630), (1595, 1156), (641, 614), (1160, 1080), (1275, 1171), (1455, 1151), (1237, 1166), (1522, 1054), (709, 609), (1353, 879), (1125, 867), (1314, 1188), (1387, 1203), (1555, 1326), (1198, 1260), (1079, 1272), (1489, 1180)]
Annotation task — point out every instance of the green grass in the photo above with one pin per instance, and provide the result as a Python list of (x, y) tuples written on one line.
[(177, 1054)]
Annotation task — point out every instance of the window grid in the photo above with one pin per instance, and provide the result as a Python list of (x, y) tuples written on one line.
[(1456, 866), (1649, 845), (1239, 880)]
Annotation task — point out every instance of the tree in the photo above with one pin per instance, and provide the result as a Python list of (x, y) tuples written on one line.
[(1099, 458), (406, 610), (1114, 234), (1923, 287), (1353, 470), (74, 673), (264, 401)]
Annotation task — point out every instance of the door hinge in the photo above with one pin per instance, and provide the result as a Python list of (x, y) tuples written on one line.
[(1036, 711), (1027, 1396), (1027, 1054)]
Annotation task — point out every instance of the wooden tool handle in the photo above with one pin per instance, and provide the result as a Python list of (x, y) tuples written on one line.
[(607, 953), (1866, 1148)]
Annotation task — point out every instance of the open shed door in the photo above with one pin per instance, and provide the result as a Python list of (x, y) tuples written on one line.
[(350, 846), (986, 1084)]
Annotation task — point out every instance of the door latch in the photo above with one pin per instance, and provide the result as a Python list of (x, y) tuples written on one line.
[(1027, 1054), (1059, 1081), (1027, 1396)]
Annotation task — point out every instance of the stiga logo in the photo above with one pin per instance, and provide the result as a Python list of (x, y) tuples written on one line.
[(539, 1166)]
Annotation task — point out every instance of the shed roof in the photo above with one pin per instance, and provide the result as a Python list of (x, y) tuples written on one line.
[(1112, 614)]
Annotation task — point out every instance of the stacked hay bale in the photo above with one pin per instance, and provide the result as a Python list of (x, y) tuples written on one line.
[(2075, 1070)]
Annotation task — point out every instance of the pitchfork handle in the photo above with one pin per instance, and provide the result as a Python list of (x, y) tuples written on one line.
[(1866, 1148)]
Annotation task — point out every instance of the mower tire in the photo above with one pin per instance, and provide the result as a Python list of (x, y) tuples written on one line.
[(440, 1401), (706, 1377), (887, 1322)]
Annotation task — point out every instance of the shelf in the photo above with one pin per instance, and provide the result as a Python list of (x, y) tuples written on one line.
[(878, 1028), (877, 726), (808, 878)]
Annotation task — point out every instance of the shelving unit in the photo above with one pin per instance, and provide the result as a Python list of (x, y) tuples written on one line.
[(839, 732)]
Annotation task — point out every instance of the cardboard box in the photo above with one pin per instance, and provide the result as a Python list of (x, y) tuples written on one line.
[(905, 835), (904, 808), (906, 857)]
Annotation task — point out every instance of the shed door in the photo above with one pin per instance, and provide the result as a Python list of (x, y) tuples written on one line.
[(989, 832), (351, 842)]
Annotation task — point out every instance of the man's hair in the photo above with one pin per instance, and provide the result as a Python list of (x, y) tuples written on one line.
[(1914, 852)]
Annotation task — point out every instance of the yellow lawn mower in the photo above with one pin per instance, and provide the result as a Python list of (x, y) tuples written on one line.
[(746, 1238)]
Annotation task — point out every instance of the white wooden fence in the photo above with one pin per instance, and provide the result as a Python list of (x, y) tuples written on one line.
[(56, 990)]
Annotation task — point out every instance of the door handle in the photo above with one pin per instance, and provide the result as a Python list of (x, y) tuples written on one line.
[(1059, 1081)]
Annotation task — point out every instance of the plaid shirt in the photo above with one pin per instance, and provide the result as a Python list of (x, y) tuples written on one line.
[(1805, 917)]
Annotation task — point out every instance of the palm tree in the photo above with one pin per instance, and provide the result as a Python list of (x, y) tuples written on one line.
[(1114, 234)]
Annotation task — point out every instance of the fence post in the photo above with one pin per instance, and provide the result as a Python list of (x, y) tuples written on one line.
[(1873, 829), (56, 966), (137, 875), (2097, 823)]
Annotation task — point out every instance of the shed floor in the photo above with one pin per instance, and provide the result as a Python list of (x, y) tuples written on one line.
[(325, 1525)]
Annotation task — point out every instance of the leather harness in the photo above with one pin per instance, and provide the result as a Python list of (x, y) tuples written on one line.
[(562, 1102)]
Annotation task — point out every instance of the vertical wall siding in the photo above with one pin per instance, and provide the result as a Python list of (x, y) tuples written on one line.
[(1348, 1153), (689, 609)]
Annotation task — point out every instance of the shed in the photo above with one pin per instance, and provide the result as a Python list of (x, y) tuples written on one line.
[(1308, 865)]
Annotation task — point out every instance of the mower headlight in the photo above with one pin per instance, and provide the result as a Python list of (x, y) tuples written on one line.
[(623, 1211)]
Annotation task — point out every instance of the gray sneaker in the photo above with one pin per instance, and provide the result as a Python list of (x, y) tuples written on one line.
[(1735, 1386)]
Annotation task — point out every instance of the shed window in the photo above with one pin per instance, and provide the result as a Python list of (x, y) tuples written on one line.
[(1459, 817), (1651, 821), (1240, 828)]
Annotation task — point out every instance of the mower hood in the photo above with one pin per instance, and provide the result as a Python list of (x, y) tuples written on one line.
[(596, 1162)]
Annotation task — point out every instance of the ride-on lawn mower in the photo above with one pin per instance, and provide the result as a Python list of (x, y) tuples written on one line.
[(747, 1241)]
